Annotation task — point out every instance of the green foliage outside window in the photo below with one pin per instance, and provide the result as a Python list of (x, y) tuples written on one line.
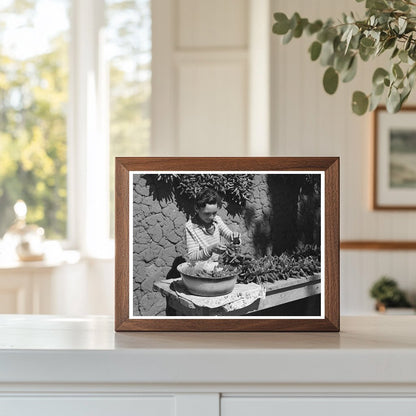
[(33, 99), (129, 40), (34, 104)]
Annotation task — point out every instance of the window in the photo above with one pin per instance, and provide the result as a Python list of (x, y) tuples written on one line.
[(75, 87), (129, 46), (33, 98)]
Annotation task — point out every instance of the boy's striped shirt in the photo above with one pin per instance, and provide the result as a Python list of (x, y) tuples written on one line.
[(198, 239)]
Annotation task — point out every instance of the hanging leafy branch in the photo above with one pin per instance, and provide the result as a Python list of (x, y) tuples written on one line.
[(389, 26), (235, 190)]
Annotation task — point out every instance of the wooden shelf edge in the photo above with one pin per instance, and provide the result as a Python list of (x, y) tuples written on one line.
[(378, 245)]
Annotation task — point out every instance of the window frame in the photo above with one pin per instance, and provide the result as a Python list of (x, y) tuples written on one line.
[(88, 133)]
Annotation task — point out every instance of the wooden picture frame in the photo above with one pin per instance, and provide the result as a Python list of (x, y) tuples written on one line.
[(135, 187), (394, 154)]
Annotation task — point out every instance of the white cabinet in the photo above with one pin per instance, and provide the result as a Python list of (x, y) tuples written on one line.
[(271, 406), (79, 366), (202, 405), (88, 406)]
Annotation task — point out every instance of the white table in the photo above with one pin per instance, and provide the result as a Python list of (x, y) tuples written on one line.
[(32, 287), (79, 366)]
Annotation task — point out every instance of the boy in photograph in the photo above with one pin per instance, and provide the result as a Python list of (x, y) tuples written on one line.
[(205, 229)]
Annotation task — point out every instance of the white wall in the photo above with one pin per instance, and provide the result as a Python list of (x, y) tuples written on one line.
[(308, 122), (208, 101), (202, 83), (211, 95)]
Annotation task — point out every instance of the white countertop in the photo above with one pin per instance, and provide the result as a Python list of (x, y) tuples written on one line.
[(52, 349)]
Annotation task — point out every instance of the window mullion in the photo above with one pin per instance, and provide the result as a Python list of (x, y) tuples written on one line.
[(88, 137)]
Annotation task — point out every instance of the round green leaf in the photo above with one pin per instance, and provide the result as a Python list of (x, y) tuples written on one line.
[(378, 90), (412, 52), (298, 30), (403, 96), (376, 4), (395, 52), (314, 27), (322, 36), (342, 61), (402, 24), (411, 75), (374, 102), (412, 69), (359, 103), (379, 75), (403, 55), (288, 37), (389, 43), (315, 50), (365, 53), (294, 20), (393, 101), (397, 71), (330, 80), (327, 54), (281, 26), (408, 42), (400, 5), (367, 42), (351, 71), (355, 41)]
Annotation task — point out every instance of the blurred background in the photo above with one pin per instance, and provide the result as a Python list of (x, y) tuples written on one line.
[(83, 81)]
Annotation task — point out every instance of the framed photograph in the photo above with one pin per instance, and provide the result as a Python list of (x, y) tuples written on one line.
[(227, 244), (394, 179)]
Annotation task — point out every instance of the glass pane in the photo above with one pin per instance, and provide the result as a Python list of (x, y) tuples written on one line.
[(33, 101), (129, 52)]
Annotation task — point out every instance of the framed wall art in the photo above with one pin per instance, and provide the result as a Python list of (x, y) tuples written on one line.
[(394, 149), (227, 244)]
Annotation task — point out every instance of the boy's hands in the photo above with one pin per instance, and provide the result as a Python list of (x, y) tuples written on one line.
[(236, 239), (217, 248)]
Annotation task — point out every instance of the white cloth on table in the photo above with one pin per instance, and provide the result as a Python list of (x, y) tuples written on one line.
[(242, 295)]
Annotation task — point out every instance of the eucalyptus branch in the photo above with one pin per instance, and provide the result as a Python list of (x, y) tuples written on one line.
[(389, 25)]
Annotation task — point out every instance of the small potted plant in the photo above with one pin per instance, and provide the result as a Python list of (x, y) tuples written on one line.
[(387, 294)]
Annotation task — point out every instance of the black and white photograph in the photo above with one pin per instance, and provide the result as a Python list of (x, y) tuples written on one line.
[(226, 244)]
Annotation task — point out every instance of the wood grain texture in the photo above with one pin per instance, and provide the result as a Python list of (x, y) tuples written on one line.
[(157, 164), (121, 244), (329, 165), (378, 245), (332, 225)]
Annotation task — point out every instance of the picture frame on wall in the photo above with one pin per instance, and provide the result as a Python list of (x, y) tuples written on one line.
[(227, 244), (394, 164)]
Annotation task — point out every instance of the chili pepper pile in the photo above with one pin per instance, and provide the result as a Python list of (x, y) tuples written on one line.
[(301, 263), (217, 272)]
